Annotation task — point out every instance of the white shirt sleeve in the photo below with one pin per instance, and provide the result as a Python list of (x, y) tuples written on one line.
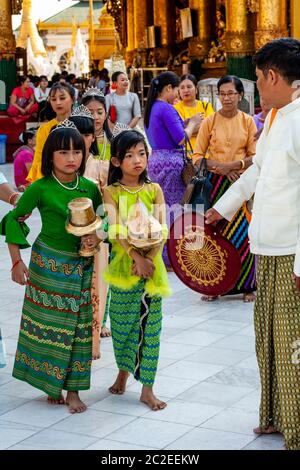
[(244, 188), (2, 178)]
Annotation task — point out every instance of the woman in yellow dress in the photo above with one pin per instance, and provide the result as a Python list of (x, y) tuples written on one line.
[(189, 105)]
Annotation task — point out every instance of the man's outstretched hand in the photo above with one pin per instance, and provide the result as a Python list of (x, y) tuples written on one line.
[(212, 216)]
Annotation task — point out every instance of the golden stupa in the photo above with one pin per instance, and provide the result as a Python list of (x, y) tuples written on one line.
[(28, 29)]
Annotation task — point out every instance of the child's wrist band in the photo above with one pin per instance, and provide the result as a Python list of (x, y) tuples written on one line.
[(15, 264)]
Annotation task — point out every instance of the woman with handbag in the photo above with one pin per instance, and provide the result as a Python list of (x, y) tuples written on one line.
[(166, 134), (189, 105), (227, 139), (123, 105)]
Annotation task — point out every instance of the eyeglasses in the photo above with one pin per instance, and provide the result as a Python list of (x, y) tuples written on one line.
[(230, 94)]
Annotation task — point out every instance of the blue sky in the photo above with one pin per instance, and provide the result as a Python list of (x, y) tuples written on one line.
[(42, 9)]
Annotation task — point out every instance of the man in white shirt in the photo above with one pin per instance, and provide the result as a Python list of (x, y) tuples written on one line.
[(274, 233)]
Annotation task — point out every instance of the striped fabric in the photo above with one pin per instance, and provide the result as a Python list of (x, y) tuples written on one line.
[(54, 351), (135, 320), (165, 168), (236, 232)]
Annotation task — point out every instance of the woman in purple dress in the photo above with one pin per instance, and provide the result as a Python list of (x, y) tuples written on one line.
[(166, 133)]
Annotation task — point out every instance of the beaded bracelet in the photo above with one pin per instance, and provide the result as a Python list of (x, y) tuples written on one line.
[(15, 264), (11, 196)]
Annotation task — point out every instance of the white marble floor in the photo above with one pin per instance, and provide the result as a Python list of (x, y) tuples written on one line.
[(207, 373)]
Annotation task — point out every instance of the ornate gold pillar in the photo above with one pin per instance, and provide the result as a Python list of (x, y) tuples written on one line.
[(199, 45), (140, 23), (162, 19), (271, 21), (130, 23), (239, 36), (295, 15), (7, 39), (8, 69)]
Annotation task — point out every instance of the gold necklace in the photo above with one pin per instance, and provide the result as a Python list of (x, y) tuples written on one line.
[(132, 192), (227, 138)]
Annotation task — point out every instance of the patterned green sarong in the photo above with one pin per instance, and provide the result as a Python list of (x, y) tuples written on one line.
[(135, 321), (54, 351), (277, 329)]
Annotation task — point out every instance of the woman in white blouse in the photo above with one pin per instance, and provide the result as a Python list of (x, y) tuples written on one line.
[(122, 105)]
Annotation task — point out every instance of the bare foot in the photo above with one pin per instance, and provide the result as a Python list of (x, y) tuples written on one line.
[(250, 297), (209, 298), (150, 399), (119, 387), (105, 332), (74, 403), (56, 401), (270, 430)]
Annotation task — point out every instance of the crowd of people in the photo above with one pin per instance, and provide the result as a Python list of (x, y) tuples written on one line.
[(96, 146)]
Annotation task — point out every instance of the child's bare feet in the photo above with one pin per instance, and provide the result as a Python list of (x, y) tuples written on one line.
[(56, 401), (119, 387), (209, 298), (105, 332), (150, 399), (270, 430), (74, 403)]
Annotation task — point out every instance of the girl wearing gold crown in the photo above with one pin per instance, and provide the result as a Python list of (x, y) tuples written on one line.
[(136, 273), (54, 351), (61, 98), (96, 169)]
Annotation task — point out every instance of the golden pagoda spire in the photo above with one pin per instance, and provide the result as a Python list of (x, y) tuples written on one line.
[(28, 29)]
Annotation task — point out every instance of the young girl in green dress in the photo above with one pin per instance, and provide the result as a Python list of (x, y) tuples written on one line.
[(54, 351), (137, 282)]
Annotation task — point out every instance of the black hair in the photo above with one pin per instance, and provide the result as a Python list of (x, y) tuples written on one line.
[(60, 139), (22, 79), (58, 86), (192, 78), (238, 84), (27, 135), (116, 75), (87, 99), (64, 73), (282, 55), (157, 85), (70, 77), (43, 77), (36, 79), (85, 125), (189, 76), (119, 147)]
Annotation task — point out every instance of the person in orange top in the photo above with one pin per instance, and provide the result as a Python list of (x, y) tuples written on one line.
[(189, 105), (61, 98), (227, 139)]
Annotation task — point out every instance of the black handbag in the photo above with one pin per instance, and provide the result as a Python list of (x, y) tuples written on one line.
[(199, 190), (189, 169)]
